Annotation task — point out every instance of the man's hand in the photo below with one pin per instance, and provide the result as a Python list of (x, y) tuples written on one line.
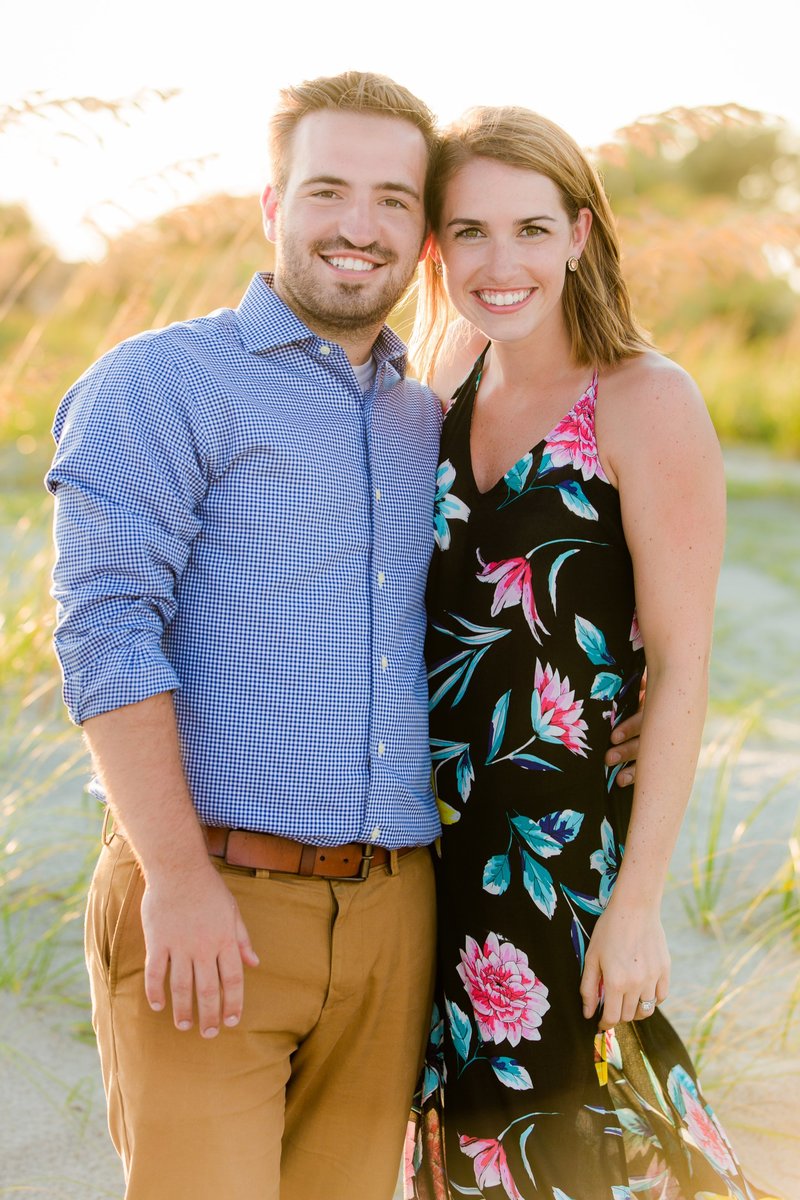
[(192, 926), (625, 742)]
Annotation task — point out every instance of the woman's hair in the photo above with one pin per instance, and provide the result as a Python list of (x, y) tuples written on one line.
[(596, 304), (352, 91)]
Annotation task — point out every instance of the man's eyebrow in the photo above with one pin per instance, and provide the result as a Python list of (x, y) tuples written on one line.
[(389, 185), (522, 221)]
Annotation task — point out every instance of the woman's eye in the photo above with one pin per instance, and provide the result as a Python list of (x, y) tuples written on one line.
[(470, 234), (532, 230)]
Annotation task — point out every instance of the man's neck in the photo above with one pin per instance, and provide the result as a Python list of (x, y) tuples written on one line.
[(357, 343)]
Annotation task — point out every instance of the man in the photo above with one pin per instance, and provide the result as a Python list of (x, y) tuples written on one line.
[(244, 523)]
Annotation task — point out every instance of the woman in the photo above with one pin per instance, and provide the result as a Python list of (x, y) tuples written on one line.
[(580, 518)]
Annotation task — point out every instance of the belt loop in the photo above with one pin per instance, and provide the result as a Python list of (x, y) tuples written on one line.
[(393, 864), (108, 825)]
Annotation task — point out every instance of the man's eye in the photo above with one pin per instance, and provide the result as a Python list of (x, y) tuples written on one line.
[(393, 202), (325, 195)]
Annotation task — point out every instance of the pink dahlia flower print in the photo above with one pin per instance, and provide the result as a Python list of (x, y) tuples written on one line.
[(555, 713), (514, 586), (507, 999), (491, 1164), (573, 443), (635, 635)]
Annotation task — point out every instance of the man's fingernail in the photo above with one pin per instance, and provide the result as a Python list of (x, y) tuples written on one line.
[(616, 735), (613, 757), (156, 1006), (184, 1025), (625, 777), (231, 1021), (212, 1031)]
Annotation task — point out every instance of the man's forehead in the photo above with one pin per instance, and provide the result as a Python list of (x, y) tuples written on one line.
[(331, 143)]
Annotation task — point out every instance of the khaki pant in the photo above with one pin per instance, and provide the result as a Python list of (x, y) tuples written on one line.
[(306, 1099)]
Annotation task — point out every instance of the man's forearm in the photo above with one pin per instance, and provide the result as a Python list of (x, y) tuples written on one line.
[(137, 755)]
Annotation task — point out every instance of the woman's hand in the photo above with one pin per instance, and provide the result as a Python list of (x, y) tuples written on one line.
[(627, 962)]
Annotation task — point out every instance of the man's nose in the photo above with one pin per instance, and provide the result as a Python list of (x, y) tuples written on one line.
[(359, 223)]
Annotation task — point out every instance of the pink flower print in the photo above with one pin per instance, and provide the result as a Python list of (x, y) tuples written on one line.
[(706, 1134), (507, 999), (491, 1164), (635, 635), (555, 713), (573, 442), (514, 586)]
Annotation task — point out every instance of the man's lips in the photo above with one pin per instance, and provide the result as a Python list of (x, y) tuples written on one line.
[(350, 263)]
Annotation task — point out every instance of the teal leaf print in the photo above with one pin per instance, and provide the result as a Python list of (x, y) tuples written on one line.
[(541, 843), (436, 1034), (531, 763), (446, 507), (622, 1193), (460, 1029), (592, 642), (430, 1082), (497, 875), (499, 718), (538, 884), (578, 938), (559, 1195), (511, 1073), (605, 686), (517, 477), (524, 1156), (575, 499), (563, 825), (588, 903), (465, 776), (633, 1123), (556, 567), (462, 1191)]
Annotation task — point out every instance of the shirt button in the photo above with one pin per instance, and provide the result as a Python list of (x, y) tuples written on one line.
[(381, 579), (384, 662), (381, 749), (377, 493), (376, 833), (324, 349)]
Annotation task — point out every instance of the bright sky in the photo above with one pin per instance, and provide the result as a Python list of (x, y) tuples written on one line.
[(592, 67)]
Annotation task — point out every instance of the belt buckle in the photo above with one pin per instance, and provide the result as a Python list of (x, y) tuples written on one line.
[(368, 853)]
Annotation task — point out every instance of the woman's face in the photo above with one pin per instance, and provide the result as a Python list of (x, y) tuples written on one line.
[(504, 240)]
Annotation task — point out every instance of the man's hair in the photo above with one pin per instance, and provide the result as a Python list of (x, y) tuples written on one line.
[(352, 91), (595, 300)]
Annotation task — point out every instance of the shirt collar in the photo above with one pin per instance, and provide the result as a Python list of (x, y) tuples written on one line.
[(265, 323)]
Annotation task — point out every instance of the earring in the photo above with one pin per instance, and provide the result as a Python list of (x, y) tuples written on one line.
[(572, 263)]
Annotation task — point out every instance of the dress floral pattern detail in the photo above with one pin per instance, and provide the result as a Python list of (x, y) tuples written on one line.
[(534, 652)]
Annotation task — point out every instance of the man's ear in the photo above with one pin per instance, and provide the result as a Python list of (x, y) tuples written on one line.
[(269, 210)]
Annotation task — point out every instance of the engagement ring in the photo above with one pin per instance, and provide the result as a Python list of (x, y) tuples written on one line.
[(647, 1005)]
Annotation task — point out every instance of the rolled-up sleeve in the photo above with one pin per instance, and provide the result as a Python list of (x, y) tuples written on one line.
[(129, 475)]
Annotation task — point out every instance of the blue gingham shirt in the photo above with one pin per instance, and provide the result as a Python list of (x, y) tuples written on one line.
[(237, 522)]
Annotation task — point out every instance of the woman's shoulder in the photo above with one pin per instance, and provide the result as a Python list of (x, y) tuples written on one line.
[(647, 406), (463, 345)]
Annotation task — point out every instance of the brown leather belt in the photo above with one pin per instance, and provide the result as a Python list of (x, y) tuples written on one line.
[(269, 852)]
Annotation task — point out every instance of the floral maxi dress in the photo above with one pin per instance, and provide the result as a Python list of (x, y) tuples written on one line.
[(533, 654)]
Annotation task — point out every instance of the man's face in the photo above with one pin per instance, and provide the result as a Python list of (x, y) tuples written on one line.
[(349, 225)]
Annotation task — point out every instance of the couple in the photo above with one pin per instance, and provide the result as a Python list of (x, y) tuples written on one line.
[(244, 524)]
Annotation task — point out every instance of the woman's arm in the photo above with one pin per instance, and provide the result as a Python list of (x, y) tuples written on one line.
[(659, 443)]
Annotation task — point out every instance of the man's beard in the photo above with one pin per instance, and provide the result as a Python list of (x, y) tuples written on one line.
[(341, 307)]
